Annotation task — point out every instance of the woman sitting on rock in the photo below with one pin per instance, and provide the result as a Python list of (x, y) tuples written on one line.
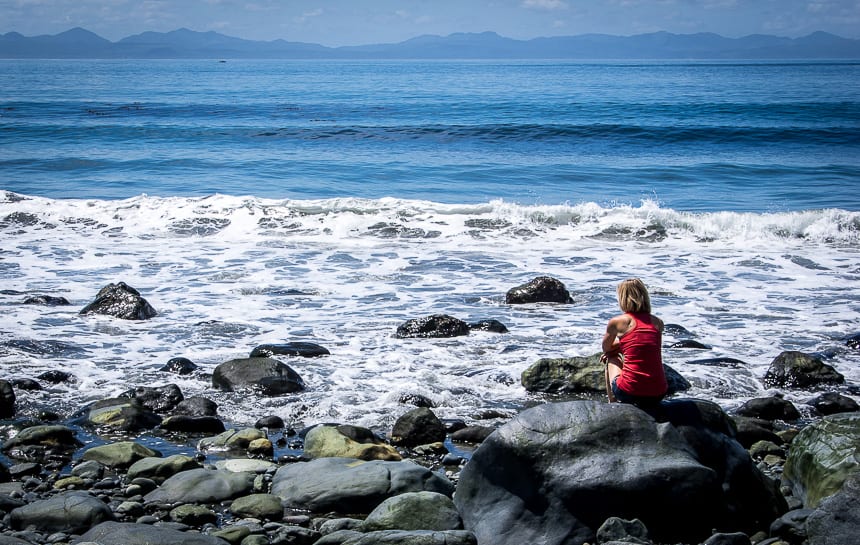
[(632, 351)]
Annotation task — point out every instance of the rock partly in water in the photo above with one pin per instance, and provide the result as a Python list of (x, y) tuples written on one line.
[(419, 426), (179, 366), (196, 406), (159, 399), (230, 440), (490, 325), (472, 434), (822, 457), (270, 376), (433, 326), (792, 369), (302, 349), (160, 469), (53, 437), (543, 289), (121, 413), (346, 441), (769, 408), (193, 424), (120, 301), (347, 485), (556, 472), (833, 403), (119, 455)]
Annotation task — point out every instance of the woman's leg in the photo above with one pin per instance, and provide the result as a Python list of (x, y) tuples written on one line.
[(612, 370)]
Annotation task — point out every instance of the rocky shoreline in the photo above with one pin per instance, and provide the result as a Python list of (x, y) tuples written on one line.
[(562, 472)]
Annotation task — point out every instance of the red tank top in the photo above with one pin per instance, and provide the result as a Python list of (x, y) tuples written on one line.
[(642, 373)]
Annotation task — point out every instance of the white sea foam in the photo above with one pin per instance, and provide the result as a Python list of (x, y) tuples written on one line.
[(229, 273)]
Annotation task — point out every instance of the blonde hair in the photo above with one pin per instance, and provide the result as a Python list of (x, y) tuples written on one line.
[(633, 296)]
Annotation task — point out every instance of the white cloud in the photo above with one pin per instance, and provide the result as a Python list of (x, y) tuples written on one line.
[(549, 5)]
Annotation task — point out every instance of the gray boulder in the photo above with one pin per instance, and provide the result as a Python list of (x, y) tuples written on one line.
[(399, 537), (297, 348), (433, 326), (792, 369), (556, 472), (202, 486), (414, 511), (161, 469), (74, 512), (419, 426), (837, 519), (271, 377), (114, 533), (120, 301), (543, 289), (822, 457), (769, 408), (347, 485)]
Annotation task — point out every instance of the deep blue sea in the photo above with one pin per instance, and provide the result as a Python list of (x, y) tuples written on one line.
[(329, 201)]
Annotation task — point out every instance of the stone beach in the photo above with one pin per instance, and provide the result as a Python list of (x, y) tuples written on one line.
[(571, 470)]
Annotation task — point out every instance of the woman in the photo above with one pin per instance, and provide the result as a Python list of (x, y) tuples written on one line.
[(631, 349)]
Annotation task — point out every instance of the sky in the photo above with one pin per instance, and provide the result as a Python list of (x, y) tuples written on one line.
[(358, 22)]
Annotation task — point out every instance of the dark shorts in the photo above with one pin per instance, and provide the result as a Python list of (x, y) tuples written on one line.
[(639, 401)]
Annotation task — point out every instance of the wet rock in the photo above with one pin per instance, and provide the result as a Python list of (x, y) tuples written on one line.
[(752, 430), (193, 515), (258, 506), (853, 341), (272, 422), (120, 301), (347, 485), (196, 406), (822, 457), (691, 344), (472, 434), (202, 486), (54, 436), (269, 376), (119, 455), (230, 440), (46, 300), (345, 441), (769, 408), (794, 369), (144, 534), (414, 511), (74, 511), (56, 377), (399, 537), (492, 326), (160, 469), (193, 424), (433, 326), (26, 384), (417, 400), (543, 289), (7, 399), (555, 472), (833, 403), (417, 427), (298, 349), (126, 414), (179, 366), (627, 531), (159, 399)]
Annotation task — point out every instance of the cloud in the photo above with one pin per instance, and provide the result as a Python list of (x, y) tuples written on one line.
[(548, 5)]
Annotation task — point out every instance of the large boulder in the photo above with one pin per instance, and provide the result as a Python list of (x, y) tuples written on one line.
[(110, 533), (74, 512), (792, 369), (556, 472), (120, 301), (543, 289), (202, 486), (836, 521), (581, 374), (346, 441), (347, 485), (270, 376), (832, 403), (433, 326), (822, 457)]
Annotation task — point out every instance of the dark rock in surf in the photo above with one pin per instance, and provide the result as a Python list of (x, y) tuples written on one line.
[(769, 408), (273, 422), (493, 326), (472, 434), (193, 424), (689, 344), (833, 403), (179, 366), (46, 300), (126, 414), (543, 289), (7, 399), (300, 349), (792, 369), (417, 400), (556, 472), (269, 376), (434, 326), (853, 341), (57, 377), (53, 436), (120, 301), (419, 426), (196, 406), (119, 455), (159, 399)]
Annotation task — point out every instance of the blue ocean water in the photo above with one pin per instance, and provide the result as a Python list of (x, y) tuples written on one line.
[(690, 136), (256, 202)]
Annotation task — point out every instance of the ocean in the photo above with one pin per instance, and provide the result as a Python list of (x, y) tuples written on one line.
[(256, 202)]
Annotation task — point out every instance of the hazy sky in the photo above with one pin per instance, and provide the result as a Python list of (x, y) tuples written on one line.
[(352, 22)]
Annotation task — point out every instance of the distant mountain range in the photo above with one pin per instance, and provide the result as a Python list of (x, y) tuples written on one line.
[(79, 43)]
